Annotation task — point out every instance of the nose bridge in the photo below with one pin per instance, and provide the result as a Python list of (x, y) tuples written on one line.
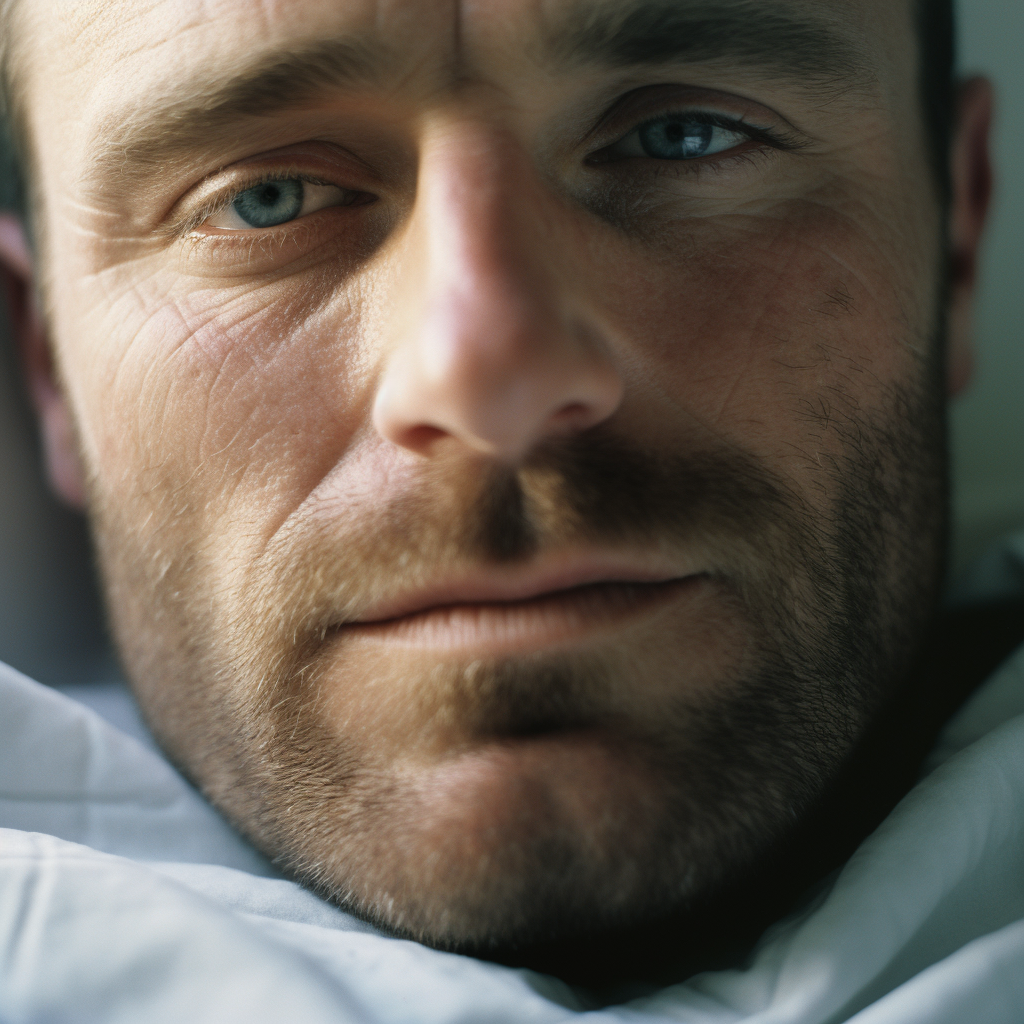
[(489, 243), (493, 349)]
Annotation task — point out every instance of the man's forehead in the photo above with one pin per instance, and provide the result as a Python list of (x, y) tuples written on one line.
[(110, 40), (144, 79)]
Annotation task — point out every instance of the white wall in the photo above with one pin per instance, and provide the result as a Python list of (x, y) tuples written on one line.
[(988, 422)]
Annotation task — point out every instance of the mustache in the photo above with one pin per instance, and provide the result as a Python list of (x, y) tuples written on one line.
[(593, 490), (599, 489)]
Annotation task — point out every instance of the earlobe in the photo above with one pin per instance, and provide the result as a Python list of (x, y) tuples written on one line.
[(972, 193), (59, 442)]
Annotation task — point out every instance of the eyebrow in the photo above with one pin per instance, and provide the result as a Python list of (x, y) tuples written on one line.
[(795, 45), (145, 134)]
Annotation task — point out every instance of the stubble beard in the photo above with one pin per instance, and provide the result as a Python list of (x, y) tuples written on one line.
[(235, 674)]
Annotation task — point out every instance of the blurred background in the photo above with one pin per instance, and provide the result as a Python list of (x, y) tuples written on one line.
[(50, 617), (988, 421)]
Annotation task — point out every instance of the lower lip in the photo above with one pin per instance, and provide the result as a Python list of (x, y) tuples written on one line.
[(541, 622)]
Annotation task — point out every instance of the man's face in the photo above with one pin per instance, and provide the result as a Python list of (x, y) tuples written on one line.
[(513, 428)]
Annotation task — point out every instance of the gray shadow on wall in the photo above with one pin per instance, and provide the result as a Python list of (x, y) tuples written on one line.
[(51, 617)]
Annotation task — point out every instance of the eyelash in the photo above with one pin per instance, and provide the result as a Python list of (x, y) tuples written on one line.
[(767, 136), (771, 138), (222, 200)]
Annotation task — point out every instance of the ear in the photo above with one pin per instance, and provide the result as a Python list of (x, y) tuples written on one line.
[(60, 447), (972, 193)]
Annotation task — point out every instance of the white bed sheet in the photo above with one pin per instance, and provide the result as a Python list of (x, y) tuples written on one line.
[(125, 897)]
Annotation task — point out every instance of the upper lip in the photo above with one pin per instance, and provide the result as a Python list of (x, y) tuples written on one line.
[(507, 584)]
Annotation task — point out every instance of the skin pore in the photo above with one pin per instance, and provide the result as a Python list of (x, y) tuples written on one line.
[(515, 538)]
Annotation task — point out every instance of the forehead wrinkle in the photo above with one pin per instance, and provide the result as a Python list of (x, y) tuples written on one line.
[(793, 41), (196, 114), (183, 116)]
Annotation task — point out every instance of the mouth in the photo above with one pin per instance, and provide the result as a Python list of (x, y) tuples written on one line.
[(490, 617)]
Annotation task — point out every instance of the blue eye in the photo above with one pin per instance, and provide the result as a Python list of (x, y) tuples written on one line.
[(273, 202), (679, 136), (676, 138)]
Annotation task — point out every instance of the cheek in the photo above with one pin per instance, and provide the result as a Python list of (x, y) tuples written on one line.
[(218, 398), (759, 328)]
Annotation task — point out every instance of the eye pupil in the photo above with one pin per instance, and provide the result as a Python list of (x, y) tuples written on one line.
[(269, 194), (273, 202), (676, 138)]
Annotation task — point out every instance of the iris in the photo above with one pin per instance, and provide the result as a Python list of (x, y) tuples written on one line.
[(676, 138), (273, 202)]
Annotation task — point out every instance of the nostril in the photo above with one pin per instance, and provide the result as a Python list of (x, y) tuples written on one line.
[(570, 416), (571, 411), (422, 436)]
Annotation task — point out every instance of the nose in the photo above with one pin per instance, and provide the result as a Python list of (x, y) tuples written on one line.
[(492, 344)]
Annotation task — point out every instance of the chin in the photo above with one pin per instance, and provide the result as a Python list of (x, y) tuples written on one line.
[(514, 842), (532, 830)]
